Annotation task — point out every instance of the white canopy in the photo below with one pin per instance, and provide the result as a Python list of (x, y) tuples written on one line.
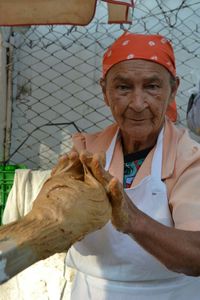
[(71, 12)]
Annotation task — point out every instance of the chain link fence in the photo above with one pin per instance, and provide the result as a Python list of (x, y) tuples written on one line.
[(56, 72)]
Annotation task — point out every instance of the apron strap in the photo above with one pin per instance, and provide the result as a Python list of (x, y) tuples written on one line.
[(109, 152), (156, 166)]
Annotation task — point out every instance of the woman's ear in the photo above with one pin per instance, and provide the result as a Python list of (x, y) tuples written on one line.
[(174, 87), (103, 88)]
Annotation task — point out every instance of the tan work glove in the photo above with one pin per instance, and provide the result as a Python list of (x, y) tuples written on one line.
[(70, 204), (123, 208)]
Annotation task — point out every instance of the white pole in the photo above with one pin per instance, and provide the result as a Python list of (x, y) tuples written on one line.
[(4, 35)]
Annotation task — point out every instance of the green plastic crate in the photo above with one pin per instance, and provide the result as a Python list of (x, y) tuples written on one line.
[(7, 173)]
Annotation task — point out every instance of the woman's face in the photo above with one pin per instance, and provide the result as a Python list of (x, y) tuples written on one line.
[(138, 93)]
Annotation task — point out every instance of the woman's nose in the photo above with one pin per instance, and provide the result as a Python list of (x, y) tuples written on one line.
[(137, 101)]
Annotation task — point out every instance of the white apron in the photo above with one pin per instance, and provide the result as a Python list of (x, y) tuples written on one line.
[(111, 265)]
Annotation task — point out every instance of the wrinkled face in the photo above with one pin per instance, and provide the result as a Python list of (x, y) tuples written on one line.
[(138, 93)]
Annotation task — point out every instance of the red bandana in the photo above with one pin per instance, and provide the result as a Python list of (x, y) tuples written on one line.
[(154, 48), (128, 46)]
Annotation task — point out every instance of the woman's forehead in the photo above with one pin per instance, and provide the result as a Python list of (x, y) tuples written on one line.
[(143, 69)]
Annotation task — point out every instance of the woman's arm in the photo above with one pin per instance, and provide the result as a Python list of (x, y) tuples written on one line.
[(178, 250)]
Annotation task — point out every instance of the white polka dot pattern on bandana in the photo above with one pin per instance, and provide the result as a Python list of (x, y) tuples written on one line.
[(129, 46), (130, 56), (125, 43), (109, 53), (152, 43), (154, 57)]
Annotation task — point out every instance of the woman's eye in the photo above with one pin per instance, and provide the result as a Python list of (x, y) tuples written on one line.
[(123, 87), (153, 86)]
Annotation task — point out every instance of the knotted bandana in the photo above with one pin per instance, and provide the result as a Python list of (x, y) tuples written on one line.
[(155, 48)]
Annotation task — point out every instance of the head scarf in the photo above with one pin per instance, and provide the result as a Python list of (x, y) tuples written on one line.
[(155, 48)]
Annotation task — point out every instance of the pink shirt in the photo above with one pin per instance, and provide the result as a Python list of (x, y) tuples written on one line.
[(180, 169)]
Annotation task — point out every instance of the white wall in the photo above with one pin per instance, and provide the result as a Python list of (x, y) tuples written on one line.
[(56, 75)]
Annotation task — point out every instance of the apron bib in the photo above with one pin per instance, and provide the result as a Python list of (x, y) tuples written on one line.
[(111, 265)]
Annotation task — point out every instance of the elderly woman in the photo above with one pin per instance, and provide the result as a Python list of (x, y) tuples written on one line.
[(153, 249)]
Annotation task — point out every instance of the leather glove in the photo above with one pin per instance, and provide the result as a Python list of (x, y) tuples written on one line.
[(123, 208), (70, 204), (73, 200)]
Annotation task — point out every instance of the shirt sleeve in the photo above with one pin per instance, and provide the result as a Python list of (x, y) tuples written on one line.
[(185, 198)]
